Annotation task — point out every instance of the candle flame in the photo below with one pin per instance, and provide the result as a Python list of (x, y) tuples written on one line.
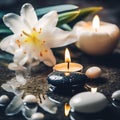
[(67, 55), (96, 22), (94, 90), (67, 109)]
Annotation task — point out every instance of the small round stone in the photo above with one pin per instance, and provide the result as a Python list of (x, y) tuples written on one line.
[(58, 78), (116, 95), (4, 99), (30, 98), (30, 101), (116, 99), (93, 72), (37, 116)]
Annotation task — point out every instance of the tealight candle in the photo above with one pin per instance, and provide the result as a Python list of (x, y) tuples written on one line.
[(65, 74), (96, 37), (68, 66)]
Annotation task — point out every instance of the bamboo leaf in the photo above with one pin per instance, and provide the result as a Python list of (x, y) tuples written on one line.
[(58, 8), (77, 15)]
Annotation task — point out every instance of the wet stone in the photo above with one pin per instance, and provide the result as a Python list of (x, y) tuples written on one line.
[(4, 99), (66, 79)]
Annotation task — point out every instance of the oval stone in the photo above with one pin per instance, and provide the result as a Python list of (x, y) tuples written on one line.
[(116, 95), (66, 79), (93, 72), (88, 102), (4, 99)]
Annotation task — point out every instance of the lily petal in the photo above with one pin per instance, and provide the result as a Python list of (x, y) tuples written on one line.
[(20, 57), (15, 23), (20, 78), (15, 106), (8, 44), (47, 57), (48, 20), (57, 37), (16, 67), (28, 13), (47, 104)]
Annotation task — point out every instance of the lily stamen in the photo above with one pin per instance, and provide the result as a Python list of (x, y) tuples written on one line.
[(26, 34), (40, 30), (34, 29)]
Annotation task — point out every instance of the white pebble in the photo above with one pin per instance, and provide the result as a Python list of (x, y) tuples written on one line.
[(93, 72), (88, 102), (37, 116), (30, 99), (116, 95), (4, 99)]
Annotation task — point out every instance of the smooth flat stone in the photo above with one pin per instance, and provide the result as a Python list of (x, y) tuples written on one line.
[(62, 79), (88, 102)]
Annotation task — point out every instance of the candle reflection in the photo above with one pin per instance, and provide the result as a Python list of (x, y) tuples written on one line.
[(93, 89), (66, 109)]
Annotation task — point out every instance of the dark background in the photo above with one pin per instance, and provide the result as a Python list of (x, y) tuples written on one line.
[(110, 64), (110, 13)]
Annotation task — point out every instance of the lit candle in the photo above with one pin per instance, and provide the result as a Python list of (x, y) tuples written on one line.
[(67, 58), (66, 74), (96, 23), (96, 37), (68, 66)]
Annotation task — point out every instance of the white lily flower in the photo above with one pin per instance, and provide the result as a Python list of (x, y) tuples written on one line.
[(33, 38)]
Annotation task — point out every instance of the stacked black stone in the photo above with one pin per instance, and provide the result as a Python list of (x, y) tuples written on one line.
[(69, 79)]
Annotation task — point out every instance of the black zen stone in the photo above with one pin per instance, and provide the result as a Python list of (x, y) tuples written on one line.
[(66, 79)]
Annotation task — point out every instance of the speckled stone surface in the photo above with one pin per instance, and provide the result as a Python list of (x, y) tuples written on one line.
[(108, 83), (66, 79)]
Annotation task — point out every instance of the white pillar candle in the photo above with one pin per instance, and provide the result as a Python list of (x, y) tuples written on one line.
[(96, 38)]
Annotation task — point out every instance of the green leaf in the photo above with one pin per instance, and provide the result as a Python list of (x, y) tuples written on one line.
[(67, 14), (58, 8), (4, 31), (5, 56), (77, 15), (68, 17)]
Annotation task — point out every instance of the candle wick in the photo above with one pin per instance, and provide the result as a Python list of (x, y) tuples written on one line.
[(68, 65)]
